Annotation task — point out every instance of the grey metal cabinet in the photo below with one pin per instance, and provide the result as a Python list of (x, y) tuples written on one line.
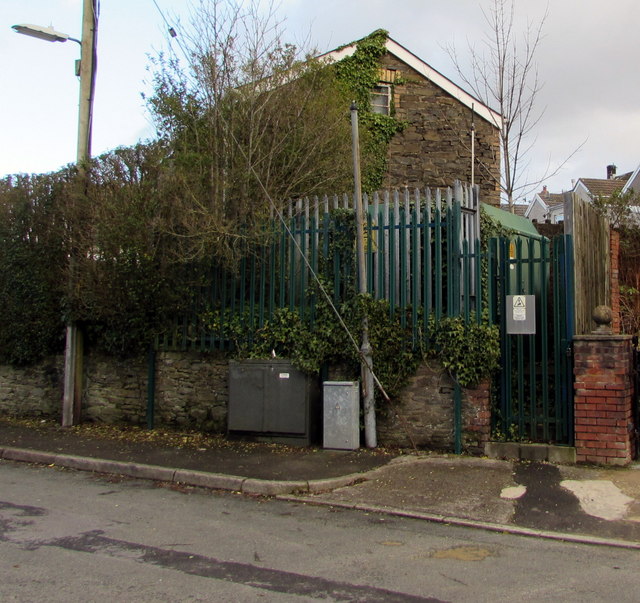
[(341, 414), (274, 399)]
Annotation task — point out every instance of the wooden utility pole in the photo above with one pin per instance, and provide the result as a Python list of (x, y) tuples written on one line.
[(72, 396)]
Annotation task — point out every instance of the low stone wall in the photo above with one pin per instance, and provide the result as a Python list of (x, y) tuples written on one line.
[(424, 416), (114, 390), (191, 390), (34, 391)]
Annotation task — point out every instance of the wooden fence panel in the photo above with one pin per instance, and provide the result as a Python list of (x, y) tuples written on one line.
[(592, 261)]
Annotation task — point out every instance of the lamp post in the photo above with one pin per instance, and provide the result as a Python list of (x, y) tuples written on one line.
[(73, 347), (366, 356)]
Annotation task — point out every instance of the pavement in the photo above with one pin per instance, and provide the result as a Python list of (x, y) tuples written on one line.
[(583, 504)]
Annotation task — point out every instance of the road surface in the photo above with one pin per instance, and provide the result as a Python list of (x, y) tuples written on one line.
[(70, 536)]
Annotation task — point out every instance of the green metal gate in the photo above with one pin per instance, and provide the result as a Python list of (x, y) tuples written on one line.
[(534, 389)]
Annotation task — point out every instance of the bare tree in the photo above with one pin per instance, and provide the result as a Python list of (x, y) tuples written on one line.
[(504, 76), (246, 118)]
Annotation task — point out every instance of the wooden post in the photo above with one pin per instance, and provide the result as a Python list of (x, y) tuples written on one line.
[(72, 396)]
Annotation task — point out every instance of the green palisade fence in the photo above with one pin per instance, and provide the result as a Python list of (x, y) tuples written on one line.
[(535, 385), (422, 253)]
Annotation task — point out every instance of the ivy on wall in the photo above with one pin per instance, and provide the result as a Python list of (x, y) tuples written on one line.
[(469, 351), (360, 73)]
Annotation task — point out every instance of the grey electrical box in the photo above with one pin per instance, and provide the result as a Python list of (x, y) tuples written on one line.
[(521, 314), (341, 425), (275, 400)]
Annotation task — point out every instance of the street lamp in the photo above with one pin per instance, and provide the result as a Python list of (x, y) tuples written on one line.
[(43, 33), (73, 348)]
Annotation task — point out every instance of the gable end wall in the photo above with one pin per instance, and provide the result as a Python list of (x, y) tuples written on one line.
[(434, 149)]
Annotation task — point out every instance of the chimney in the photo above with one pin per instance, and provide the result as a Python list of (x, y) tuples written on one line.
[(611, 172)]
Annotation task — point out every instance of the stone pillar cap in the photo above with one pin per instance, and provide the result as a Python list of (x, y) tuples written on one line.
[(603, 317)]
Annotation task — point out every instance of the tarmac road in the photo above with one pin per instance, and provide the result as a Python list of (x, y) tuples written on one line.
[(573, 503), (74, 536)]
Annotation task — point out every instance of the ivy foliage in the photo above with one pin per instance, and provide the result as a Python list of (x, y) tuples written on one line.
[(490, 228), (326, 342), (470, 352), (359, 73)]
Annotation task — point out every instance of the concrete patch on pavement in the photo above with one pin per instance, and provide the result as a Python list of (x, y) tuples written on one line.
[(599, 498), (462, 553), (513, 492)]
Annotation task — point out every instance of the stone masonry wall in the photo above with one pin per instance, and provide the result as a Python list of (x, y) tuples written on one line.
[(191, 390), (434, 149), (34, 391), (114, 390), (424, 416)]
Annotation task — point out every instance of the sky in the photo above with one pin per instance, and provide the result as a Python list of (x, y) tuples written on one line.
[(590, 99)]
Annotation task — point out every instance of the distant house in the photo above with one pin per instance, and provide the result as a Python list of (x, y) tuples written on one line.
[(434, 149), (519, 209), (546, 207), (589, 189)]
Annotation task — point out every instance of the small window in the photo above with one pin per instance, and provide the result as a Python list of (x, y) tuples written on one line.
[(381, 99)]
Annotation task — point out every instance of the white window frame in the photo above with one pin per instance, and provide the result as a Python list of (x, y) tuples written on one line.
[(381, 92)]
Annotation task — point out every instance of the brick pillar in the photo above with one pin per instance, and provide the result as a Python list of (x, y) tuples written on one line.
[(614, 279), (603, 398), (476, 422)]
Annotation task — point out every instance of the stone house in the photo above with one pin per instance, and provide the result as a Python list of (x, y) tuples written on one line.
[(434, 149)]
